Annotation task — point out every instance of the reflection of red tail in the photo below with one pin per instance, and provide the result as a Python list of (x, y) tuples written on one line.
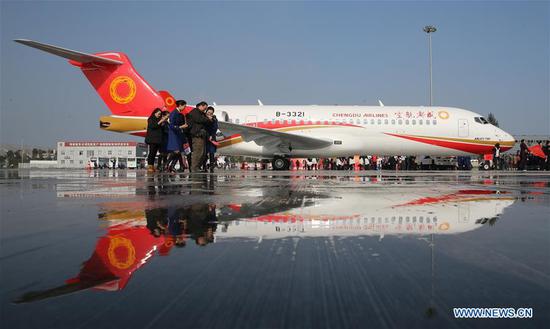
[(117, 255), (114, 78)]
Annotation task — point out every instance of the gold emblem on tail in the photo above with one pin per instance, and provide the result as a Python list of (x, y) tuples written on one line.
[(130, 84)]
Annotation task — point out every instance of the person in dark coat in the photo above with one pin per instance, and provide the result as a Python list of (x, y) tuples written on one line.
[(210, 146), (546, 150), (176, 134), (523, 151), (202, 223), (198, 122), (154, 137), (157, 221), (496, 156), (163, 152)]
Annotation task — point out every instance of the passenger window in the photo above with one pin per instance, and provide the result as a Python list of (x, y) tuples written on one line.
[(414, 122), (420, 122), (379, 121), (318, 122), (400, 121), (351, 121), (386, 121), (237, 121), (392, 121), (293, 122), (434, 122), (427, 122), (371, 121), (406, 122), (358, 121), (326, 122)]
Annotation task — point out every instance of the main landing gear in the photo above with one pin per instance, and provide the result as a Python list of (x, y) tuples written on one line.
[(280, 163)]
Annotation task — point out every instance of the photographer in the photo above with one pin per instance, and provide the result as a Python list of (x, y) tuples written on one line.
[(199, 123)]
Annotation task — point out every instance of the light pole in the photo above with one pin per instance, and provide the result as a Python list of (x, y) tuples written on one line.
[(430, 29)]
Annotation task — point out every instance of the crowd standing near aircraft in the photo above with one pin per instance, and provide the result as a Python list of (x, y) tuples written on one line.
[(279, 132)]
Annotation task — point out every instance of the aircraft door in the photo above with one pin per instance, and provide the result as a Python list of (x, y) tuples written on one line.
[(251, 120), (463, 130), (463, 213)]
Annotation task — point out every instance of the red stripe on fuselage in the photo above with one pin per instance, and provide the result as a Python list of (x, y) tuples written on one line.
[(455, 145)]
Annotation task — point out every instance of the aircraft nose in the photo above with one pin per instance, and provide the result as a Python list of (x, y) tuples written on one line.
[(507, 139)]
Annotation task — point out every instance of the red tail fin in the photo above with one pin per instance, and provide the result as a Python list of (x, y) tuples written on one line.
[(122, 89), (114, 78)]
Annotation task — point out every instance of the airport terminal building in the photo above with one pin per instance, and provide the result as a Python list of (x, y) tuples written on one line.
[(85, 154)]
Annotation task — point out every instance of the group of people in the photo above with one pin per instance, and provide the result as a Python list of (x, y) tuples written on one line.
[(178, 224), (181, 137), (535, 157)]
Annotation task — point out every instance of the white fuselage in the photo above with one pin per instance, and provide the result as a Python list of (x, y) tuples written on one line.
[(359, 130)]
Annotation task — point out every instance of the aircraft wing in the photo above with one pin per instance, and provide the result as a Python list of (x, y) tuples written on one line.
[(273, 139)]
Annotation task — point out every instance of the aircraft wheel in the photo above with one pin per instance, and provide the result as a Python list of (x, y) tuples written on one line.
[(280, 163)]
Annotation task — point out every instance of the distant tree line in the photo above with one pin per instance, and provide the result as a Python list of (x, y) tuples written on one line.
[(11, 159), (492, 119)]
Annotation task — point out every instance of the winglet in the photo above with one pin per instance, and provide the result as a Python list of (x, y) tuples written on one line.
[(380, 103), (260, 103), (73, 55)]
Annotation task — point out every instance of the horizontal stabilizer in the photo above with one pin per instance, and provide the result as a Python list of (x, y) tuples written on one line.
[(74, 55)]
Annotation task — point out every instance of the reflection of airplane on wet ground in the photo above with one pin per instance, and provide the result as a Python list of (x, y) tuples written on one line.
[(137, 234), (378, 213)]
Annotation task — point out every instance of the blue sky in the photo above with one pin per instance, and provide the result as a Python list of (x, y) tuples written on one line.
[(488, 57)]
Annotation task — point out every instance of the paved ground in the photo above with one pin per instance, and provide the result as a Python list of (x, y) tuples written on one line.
[(269, 249)]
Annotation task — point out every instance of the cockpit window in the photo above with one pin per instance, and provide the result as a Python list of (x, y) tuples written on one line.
[(481, 120)]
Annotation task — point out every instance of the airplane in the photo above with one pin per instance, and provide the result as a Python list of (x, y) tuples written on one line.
[(129, 241), (278, 132)]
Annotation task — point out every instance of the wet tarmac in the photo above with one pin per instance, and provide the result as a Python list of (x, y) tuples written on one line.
[(122, 249)]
